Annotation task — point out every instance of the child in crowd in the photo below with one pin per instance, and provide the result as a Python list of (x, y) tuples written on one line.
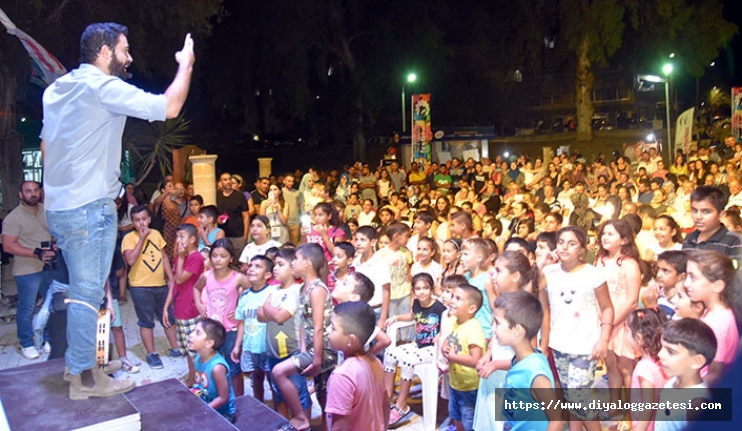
[(325, 229), (684, 307), (645, 327), (372, 266), (319, 359), (260, 229), (709, 275), (475, 253), (382, 240), (421, 229), (667, 235), (399, 260), (518, 317), (195, 203), (352, 226), (426, 259), (618, 258), (149, 275), (545, 244), (207, 230), (342, 256), (688, 345), (357, 287), (353, 208), (212, 371), (251, 333), (189, 265), (513, 273), (426, 313), (580, 318), (707, 203), (216, 294), (462, 225), (463, 348), (451, 257), (280, 313), (447, 285), (670, 276), (357, 398)]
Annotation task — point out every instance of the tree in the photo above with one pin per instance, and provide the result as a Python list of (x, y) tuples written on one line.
[(592, 30)]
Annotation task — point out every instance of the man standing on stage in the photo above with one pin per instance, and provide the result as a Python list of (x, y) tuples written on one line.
[(84, 116)]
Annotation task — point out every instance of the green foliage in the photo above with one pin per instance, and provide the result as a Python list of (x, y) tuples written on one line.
[(598, 21), (152, 144)]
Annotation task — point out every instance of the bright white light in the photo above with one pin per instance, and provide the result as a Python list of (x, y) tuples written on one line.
[(651, 78), (23, 119), (255, 138), (712, 64), (506, 155), (650, 137), (672, 55)]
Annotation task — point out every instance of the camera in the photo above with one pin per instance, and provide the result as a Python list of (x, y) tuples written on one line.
[(50, 264)]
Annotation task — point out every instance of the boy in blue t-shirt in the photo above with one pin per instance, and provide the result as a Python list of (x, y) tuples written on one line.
[(518, 317), (250, 330), (212, 372)]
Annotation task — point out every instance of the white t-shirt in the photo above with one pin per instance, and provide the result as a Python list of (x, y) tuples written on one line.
[(251, 250), (366, 219), (575, 321), (434, 269), (379, 272)]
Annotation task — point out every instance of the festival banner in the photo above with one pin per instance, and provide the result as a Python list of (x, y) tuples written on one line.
[(46, 68), (684, 130), (737, 113), (422, 132)]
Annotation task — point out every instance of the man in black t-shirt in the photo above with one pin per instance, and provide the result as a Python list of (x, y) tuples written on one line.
[(262, 185), (232, 204)]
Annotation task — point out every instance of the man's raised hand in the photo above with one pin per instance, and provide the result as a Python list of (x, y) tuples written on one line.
[(185, 56)]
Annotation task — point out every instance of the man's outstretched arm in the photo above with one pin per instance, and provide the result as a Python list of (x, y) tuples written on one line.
[(177, 92)]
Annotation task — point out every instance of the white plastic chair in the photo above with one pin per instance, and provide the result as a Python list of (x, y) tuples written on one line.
[(428, 374)]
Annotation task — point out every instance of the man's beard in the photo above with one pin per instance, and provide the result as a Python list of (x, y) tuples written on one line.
[(118, 68), (31, 202)]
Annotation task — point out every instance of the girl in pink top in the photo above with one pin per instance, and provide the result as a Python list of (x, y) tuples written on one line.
[(708, 275), (216, 294), (325, 230), (645, 328), (619, 259)]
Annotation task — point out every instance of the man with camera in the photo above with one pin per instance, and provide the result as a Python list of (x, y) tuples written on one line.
[(26, 236)]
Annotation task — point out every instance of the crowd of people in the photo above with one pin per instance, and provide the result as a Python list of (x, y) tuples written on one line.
[(514, 273), (523, 274)]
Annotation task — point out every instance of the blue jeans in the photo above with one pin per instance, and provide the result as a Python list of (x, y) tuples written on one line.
[(30, 286), (87, 237), (461, 407)]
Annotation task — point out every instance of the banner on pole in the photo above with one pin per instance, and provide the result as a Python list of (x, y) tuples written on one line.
[(737, 113), (422, 132), (684, 130)]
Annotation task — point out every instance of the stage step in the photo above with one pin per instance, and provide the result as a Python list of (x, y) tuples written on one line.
[(35, 398)]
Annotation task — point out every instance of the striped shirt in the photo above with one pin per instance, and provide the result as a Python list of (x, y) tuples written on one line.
[(723, 241)]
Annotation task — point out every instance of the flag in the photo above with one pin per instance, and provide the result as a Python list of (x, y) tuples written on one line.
[(684, 130), (422, 133), (46, 68)]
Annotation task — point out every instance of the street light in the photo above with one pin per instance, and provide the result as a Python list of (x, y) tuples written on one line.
[(667, 69), (410, 79)]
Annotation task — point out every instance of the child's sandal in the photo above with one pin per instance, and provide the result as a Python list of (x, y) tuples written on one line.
[(397, 414)]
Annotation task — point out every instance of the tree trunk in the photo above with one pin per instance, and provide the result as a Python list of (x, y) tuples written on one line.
[(359, 139), (11, 143), (583, 92)]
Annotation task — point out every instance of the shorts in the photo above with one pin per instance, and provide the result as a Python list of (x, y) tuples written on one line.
[(254, 361), (117, 314), (299, 381), (185, 327), (329, 361), (304, 359), (461, 407), (576, 372), (148, 304), (226, 350)]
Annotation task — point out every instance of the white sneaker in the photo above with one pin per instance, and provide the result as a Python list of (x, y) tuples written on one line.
[(46, 348), (30, 352)]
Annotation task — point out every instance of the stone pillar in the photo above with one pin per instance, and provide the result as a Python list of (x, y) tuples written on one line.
[(264, 166), (204, 177)]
